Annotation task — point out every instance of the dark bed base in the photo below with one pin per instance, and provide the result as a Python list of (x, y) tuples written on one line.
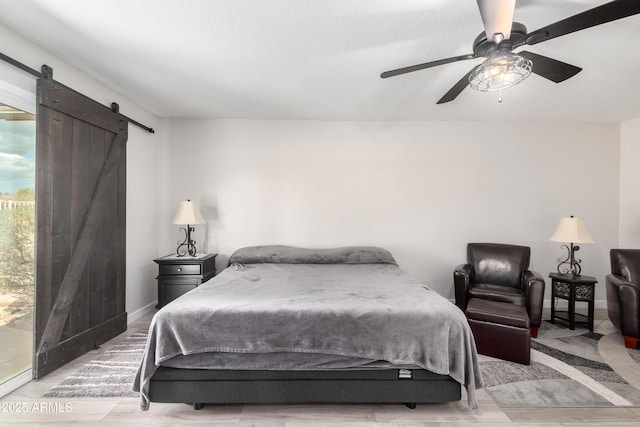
[(200, 386)]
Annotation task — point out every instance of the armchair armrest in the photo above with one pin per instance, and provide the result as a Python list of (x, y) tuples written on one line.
[(534, 293), (623, 305), (462, 276)]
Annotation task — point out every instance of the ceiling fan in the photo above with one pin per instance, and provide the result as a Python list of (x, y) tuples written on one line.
[(503, 68)]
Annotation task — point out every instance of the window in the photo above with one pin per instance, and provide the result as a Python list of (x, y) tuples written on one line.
[(17, 232)]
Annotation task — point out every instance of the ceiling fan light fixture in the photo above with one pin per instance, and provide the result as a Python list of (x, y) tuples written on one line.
[(500, 71)]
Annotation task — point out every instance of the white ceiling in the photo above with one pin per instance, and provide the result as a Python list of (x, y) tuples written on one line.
[(321, 59)]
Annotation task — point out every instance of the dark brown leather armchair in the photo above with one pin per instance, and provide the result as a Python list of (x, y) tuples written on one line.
[(623, 294), (500, 272)]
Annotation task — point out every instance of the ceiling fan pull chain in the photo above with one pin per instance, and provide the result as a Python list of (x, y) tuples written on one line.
[(500, 97)]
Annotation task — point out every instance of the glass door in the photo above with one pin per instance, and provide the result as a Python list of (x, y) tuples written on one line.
[(17, 232)]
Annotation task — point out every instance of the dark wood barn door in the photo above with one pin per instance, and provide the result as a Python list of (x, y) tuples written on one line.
[(81, 211)]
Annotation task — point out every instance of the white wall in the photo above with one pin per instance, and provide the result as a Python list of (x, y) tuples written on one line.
[(630, 185), (142, 160), (420, 189)]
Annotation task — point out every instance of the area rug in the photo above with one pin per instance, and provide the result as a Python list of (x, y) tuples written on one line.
[(567, 370), (109, 375)]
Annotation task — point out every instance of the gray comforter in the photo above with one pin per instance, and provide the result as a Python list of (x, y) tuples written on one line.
[(347, 301)]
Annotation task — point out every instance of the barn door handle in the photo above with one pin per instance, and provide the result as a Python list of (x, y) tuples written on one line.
[(46, 352)]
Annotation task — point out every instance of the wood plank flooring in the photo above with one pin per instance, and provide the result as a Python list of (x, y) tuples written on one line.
[(25, 406)]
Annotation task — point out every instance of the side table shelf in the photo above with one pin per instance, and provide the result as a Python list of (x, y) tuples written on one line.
[(178, 275), (573, 289)]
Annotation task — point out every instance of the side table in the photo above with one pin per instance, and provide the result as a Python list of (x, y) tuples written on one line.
[(573, 289), (178, 275)]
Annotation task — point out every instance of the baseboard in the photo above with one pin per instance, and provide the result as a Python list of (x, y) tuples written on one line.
[(140, 313)]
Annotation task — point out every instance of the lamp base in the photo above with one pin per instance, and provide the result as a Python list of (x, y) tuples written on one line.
[(187, 246), (570, 265)]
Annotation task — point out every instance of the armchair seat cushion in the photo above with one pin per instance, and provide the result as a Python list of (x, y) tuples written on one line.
[(498, 293)]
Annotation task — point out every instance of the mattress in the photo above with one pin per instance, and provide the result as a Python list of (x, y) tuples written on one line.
[(279, 361)]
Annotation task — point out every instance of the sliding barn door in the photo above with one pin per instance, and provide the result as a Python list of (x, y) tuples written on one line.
[(80, 249)]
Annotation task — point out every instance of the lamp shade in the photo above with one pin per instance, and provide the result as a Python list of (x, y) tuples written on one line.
[(188, 213), (571, 230)]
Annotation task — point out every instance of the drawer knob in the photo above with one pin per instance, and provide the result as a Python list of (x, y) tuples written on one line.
[(179, 269)]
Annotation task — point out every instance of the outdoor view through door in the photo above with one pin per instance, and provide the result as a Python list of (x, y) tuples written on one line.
[(17, 230)]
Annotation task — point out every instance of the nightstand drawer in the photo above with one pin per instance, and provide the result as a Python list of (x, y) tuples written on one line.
[(181, 269), (180, 281)]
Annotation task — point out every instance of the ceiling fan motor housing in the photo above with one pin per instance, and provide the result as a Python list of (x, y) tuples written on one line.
[(484, 48)]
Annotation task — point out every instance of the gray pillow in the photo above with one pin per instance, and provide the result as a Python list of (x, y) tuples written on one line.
[(280, 254)]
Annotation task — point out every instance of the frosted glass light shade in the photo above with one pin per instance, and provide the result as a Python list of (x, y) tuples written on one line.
[(571, 230), (188, 213)]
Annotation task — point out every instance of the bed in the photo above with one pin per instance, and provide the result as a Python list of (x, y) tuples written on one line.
[(293, 325)]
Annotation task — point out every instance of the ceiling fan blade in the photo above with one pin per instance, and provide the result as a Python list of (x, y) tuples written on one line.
[(497, 17), (608, 12), (551, 69), (457, 88), (418, 67)]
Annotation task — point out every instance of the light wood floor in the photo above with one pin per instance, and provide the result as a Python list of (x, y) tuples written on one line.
[(124, 411)]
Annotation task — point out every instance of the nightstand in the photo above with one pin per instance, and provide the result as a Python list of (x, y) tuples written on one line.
[(178, 275), (573, 289)]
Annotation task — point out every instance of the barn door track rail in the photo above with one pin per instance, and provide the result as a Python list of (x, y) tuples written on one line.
[(47, 73)]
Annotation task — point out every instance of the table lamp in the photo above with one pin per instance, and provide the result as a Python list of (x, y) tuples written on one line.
[(187, 214), (571, 230)]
